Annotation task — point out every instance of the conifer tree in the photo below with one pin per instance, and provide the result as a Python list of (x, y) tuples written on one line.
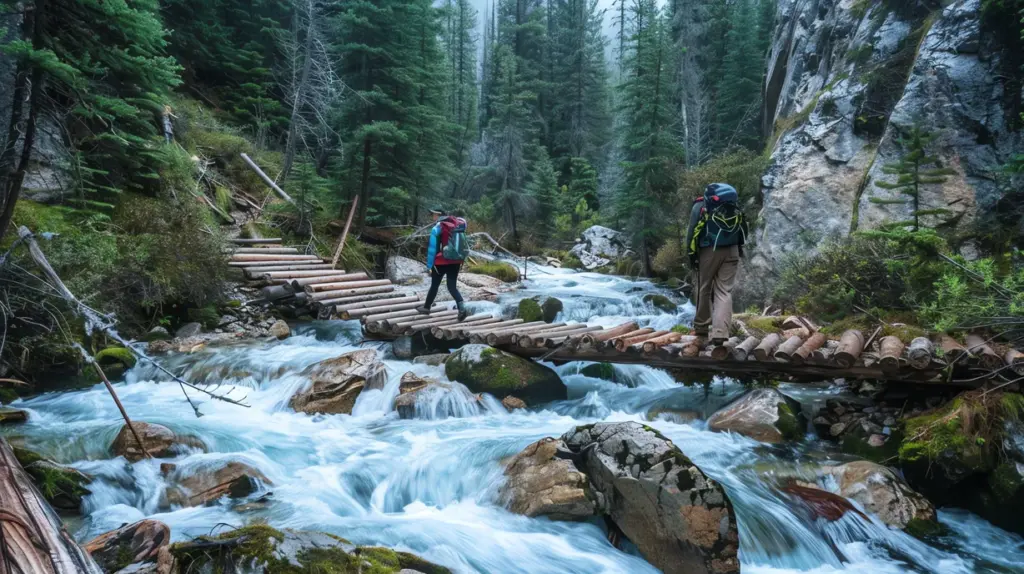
[(911, 173), (460, 39), (543, 192), (739, 88), (650, 148)]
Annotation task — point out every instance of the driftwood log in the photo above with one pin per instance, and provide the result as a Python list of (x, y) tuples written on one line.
[(32, 534)]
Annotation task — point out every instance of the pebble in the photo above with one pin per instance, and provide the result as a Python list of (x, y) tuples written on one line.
[(876, 440)]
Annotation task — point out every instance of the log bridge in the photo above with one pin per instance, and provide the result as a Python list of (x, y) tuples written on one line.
[(387, 313)]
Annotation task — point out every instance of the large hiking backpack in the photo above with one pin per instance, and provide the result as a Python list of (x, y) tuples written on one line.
[(457, 247), (721, 222)]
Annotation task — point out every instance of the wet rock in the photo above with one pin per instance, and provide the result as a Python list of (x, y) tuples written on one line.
[(157, 333), (485, 369), (661, 302), (408, 347), (678, 416), (512, 403), (404, 271), (337, 383), (159, 441), (603, 371), (599, 246), (62, 486), (435, 360), (551, 308), (411, 383), (188, 330), (10, 415), (543, 481), (881, 492), (266, 549), (820, 503), (280, 330), (681, 521), (206, 484), (765, 415), (143, 542)]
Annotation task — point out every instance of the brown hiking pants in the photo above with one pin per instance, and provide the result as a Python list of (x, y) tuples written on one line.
[(716, 276)]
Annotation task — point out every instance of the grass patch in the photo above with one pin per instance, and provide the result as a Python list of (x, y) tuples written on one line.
[(503, 271)]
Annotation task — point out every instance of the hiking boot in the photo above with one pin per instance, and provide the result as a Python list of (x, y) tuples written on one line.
[(462, 311), (718, 341), (423, 310)]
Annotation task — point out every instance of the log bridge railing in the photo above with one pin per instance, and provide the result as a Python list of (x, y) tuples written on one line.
[(804, 356)]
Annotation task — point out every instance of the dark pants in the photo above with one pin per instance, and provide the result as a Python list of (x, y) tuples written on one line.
[(438, 272)]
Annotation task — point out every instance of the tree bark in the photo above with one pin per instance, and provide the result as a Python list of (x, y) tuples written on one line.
[(851, 345), (743, 350), (809, 346)]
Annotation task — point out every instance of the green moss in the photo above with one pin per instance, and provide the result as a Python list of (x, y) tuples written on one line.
[(112, 355), (7, 395), (570, 261), (661, 302), (503, 271), (682, 328), (765, 324), (208, 316), (1005, 482), (603, 371), (530, 311), (923, 529), (789, 423), (223, 198), (26, 457), (501, 374), (62, 487)]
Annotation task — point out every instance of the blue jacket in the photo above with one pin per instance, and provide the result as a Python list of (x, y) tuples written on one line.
[(434, 244)]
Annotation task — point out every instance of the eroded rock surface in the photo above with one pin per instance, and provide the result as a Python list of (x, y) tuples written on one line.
[(765, 415), (485, 369), (159, 441), (207, 483), (543, 481), (142, 543), (336, 383)]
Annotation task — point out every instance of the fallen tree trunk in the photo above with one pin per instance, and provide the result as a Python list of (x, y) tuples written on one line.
[(851, 345), (280, 192), (33, 536), (988, 358), (920, 353), (591, 339), (890, 351)]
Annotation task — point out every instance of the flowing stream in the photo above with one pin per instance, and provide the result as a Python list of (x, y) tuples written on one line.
[(429, 485)]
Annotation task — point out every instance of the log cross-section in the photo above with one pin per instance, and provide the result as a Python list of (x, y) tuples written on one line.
[(851, 345), (890, 351), (765, 351), (920, 353)]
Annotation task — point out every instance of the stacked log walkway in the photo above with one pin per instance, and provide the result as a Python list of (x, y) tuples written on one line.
[(798, 355), (314, 282)]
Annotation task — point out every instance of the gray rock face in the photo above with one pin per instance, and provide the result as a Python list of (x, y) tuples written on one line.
[(338, 382), (599, 246), (681, 520), (765, 415), (404, 271), (188, 330), (542, 481), (881, 493), (280, 330), (838, 101)]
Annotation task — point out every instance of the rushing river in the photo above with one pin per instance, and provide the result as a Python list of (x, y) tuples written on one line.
[(430, 485)]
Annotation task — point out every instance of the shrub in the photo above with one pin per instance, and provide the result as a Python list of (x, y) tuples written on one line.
[(975, 294), (530, 311), (504, 271), (668, 261)]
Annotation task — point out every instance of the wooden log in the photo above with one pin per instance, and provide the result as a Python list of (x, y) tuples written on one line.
[(723, 351), (985, 355), (276, 262), (920, 353), (302, 282), (258, 241), (952, 350), (344, 233), (280, 192), (765, 350), (667, 352), (611, 342), (691, 346), (784, 353), (332, 297), (255, 272), (269, 257), (550, 341), (803, 354), (382, 300), (890, 351), (321, 288), (624, 343), (276, 250), (366, 313), (407, 310), (463, 333), (591, 339), (823, 356), (34, 538), (504, 337), (442, 333), (399, 325), (528, 340), (319, 275), (1015, 360), (652, 345), (851, 345), (431, 326), (743, 350), (276, 292)]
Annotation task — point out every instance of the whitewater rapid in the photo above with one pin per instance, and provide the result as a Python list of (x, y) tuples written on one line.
[(429, 485)]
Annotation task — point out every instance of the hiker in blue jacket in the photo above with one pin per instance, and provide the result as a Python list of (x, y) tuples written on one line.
[(446, 250)]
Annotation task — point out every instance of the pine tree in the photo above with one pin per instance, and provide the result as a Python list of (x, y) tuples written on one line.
[(580, 117), (911, 173), (543, 193), (766, 24), (460, 46), (650, 148), (739, 88)]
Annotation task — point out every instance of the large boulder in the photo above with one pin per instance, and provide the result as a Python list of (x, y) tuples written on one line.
[(551, 308), (206, 484), (158, 440), (404, 271), (10, 415), (765, 415), (266, 549), (143, 542), (543, 481), (881, 492), (336, 383), (681, 520), (603, 242), (485, 369), (62, 486)]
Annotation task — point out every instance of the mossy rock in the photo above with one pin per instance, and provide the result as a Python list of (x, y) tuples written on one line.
[(62, 486), (116, 355), (763, 414), (661, 302), (208, 316), (530, 311), (485, 369), (501, 271), (603, 371), (274, 551), (551, 308), (1000, 498), (855, 442)]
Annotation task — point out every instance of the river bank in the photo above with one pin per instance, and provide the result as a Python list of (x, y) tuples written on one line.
[(431, 484)]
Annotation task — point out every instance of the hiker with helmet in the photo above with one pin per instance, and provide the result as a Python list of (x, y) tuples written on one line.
[(446, 250), (715, 244)]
